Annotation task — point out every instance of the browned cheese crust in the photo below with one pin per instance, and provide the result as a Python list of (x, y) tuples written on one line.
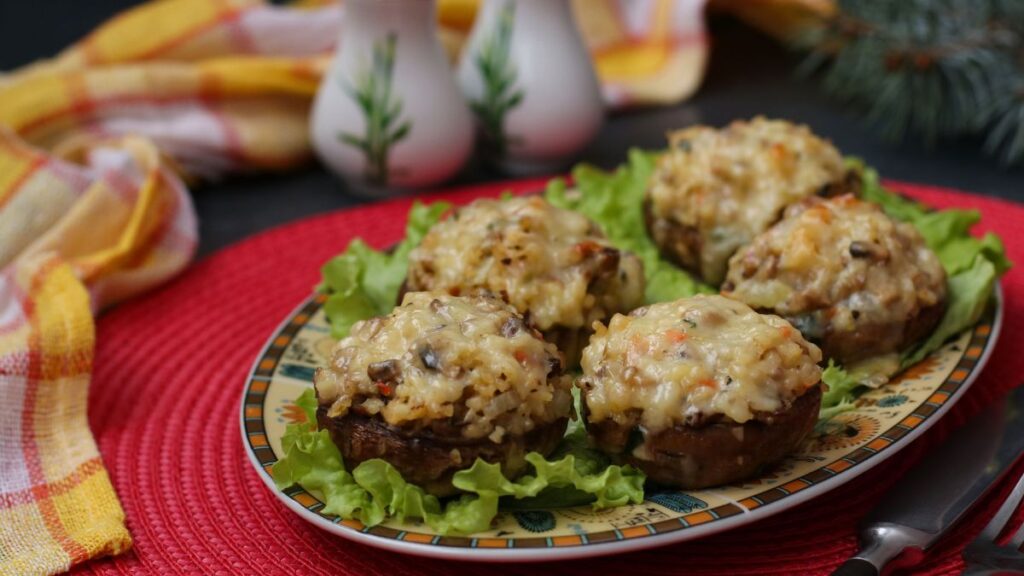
[(854, 281), (715, 189), (699, 391), (554, 266), (440, 382)]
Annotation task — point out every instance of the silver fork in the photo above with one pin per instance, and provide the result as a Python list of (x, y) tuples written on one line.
[(984, 556)]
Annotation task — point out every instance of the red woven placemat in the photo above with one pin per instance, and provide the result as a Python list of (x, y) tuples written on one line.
[(164, 404)]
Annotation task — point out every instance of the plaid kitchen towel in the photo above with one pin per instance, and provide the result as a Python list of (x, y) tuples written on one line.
[(74, 237), (644, 51), (94, 146)]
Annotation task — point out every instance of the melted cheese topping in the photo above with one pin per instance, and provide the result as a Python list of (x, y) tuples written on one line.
[(843, 255), (541, 259), (469, 363), (731, 184), (680, 362)]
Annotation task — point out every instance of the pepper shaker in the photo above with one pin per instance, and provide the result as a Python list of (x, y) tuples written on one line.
[(531, 84), (388, 114)]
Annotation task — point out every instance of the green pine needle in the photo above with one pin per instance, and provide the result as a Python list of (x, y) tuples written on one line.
[(935, 68), (499, 77), (381, 110)]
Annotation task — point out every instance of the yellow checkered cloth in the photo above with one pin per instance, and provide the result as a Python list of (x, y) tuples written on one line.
[(94, 145)]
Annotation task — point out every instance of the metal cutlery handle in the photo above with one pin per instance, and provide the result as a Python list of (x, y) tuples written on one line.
[(880, 545), (985, 553), (856, 567)]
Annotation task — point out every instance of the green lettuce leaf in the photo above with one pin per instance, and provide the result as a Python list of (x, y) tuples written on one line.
[(615, 201), (363, 282), (612, 199), (842, 388), (375, 490), (587, 460), (973, 266), (969, 293), (947, 232), (356, 293), (312, 460)]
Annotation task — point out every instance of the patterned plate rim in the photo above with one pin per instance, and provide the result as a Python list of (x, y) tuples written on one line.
[(699, 524)]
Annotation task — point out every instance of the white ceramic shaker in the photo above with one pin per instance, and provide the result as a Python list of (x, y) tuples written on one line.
[(531, 84), (388, 114)]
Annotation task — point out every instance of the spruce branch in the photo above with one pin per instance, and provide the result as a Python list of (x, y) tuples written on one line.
[(936, 68)]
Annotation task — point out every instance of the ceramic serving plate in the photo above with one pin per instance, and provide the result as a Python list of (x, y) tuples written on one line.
[(884, 421)]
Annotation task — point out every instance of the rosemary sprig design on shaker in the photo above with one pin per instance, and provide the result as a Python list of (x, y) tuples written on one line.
[(381, 109), (499, 77)]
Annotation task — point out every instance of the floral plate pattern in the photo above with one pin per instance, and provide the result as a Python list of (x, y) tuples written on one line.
[(884, 421)]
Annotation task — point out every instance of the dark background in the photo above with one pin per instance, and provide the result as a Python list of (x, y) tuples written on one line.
[(748, 74)]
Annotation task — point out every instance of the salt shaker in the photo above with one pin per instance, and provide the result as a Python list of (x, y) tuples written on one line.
[(388, 114), (531, 84)]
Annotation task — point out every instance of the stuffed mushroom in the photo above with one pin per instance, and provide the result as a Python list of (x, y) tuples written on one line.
[(714, 190), (700, 391), (554, 266), (852, 279), (440, 382)]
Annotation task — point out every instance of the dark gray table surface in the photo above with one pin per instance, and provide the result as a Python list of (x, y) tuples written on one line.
[(748, 74)]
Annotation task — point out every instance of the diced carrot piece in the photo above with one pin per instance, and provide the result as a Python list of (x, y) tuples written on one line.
[(587, 247), (675, 336)]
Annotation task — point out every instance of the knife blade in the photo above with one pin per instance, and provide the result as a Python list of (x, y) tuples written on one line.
[(937, 492)]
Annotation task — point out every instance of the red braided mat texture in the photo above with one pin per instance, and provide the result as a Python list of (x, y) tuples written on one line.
[(164, 405)]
